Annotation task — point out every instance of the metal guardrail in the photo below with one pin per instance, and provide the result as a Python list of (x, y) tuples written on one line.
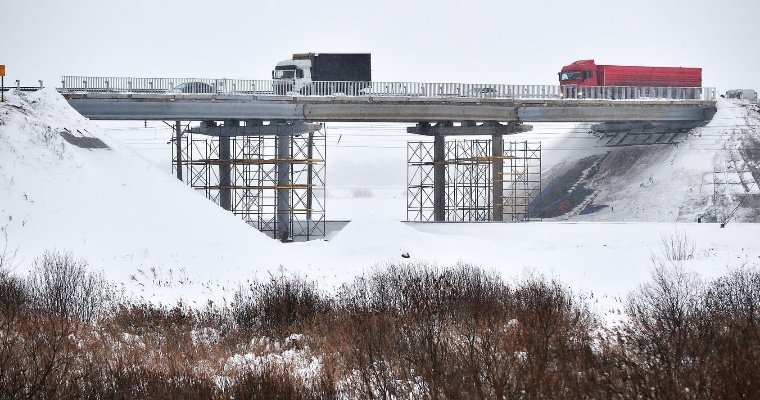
[(17, 86), (73, 84)]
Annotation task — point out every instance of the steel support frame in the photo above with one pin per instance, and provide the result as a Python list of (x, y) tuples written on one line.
[(274, 182), (484, 180)]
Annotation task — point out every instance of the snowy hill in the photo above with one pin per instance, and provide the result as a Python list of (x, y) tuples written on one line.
[(65, 186), (704, 174)]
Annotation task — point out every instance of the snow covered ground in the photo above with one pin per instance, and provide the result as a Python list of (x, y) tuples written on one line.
[(130, 218)]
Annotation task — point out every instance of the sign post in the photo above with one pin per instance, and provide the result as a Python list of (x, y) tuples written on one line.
[(2, 82)]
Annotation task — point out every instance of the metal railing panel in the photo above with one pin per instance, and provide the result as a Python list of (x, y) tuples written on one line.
[(379, 89)]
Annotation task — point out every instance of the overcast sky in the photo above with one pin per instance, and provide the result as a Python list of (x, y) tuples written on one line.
[(524, 42)]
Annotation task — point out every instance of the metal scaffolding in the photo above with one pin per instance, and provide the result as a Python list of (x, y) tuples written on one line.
[(470, 179), (275, 183), (521, 178)]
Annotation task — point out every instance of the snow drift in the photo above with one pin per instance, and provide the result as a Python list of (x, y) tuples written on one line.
[(64, 186)]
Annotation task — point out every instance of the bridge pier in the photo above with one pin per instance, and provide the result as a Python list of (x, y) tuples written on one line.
[(497, 177), (439, 174), (283, 217), (178, 148), (225, 166)]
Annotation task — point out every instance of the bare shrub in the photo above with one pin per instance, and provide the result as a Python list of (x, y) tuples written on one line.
[(37, 356), (678, 247), (659, 336), (277, 382), (554, 329), (449, 333), (59, 284), (279, 306), (128, 381), (730, 335), (147, 318)]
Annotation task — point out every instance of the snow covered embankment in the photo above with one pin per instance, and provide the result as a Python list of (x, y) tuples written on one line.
[(65, 186), (713, 170)]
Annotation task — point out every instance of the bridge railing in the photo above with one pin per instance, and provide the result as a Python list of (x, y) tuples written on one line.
[(376, 89)]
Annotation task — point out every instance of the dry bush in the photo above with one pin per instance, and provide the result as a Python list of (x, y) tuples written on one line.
[(731, 335), (688, 339), (658, 339), (678, 247), (277, 382), (59, 284), (280, 306), (129, 381), (460, 332), (38, 355)]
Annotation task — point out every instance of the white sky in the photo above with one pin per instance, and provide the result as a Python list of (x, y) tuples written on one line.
[(435, 40)]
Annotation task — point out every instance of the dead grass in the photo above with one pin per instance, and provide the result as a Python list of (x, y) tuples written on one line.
[(399, 332)]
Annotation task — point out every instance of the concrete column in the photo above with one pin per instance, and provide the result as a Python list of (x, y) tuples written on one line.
[(439, 178), (225, 166), (284, 216), (309, 174), (497, 178), (178, 144)]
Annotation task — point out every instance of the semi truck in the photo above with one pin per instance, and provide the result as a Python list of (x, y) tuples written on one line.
[(584, 73), (323, 73), (588, 73)]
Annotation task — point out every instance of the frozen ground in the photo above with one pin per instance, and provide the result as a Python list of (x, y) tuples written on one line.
[(130, 218)]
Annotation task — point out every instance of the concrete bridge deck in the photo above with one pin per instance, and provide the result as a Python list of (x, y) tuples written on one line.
[(404, 109)]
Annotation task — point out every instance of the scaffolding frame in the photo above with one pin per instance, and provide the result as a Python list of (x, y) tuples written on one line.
[(254, 183), (469, 182), (521, 179)]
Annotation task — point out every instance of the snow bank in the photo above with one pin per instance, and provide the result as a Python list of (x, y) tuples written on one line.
[(107, 205)]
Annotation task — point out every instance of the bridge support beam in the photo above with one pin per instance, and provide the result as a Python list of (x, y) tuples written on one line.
[(283, 217), (257, 128), (178, 144)]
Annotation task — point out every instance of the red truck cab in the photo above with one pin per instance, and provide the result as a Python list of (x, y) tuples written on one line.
[(580, 73)]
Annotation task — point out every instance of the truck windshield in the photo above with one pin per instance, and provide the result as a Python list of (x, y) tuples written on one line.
[(570, 75), (284, 74)]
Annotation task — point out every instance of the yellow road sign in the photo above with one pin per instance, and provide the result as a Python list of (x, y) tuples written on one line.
[(2, 70)]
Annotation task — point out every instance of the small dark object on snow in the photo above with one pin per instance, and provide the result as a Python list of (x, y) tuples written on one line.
[(405, 255)]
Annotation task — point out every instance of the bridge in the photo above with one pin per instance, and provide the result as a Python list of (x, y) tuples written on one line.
[(185, 99), (260, 155)]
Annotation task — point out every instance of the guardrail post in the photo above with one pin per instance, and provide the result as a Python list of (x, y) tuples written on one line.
[(18, 84), (41, 85)]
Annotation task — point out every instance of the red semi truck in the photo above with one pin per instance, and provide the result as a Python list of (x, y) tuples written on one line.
[(588, 73)]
